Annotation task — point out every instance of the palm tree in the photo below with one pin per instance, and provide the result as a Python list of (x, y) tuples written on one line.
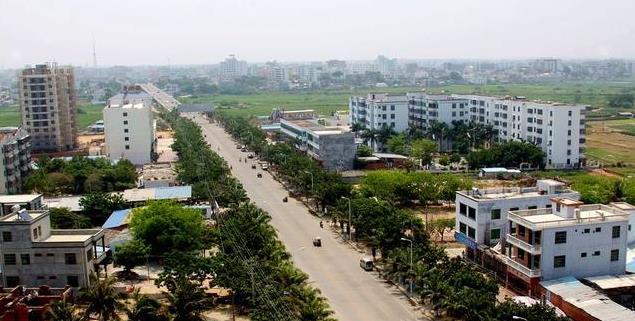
[(357, 127), (188, 301), (383, 134), (102, 298), (438, 131), (62, 311), (370, 136), (146, 309)]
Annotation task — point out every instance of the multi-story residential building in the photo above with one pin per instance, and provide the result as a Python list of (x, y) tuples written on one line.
[(333, 147), (15, 156), (48, 106), (424, 109), (481, 214), (232, 68), (566, 239), (129, 132), (559, 129), (33, 254), (378, 110)]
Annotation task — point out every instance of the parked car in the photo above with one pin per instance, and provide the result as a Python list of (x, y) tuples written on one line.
[(366, 263)]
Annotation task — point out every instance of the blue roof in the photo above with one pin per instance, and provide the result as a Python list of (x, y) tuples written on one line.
[(117, 218), (174, 192)]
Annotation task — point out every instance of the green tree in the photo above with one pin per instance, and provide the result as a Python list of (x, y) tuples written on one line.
[(63, 218), (364, 150), (98, 206), (131, 254), (537, 312), (62, 311), (188, 301), (102, 299), (147, 309), (397, 144), (423, 150), (167, 226)]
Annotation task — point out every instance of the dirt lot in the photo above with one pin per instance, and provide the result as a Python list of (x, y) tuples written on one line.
[(607, 144)]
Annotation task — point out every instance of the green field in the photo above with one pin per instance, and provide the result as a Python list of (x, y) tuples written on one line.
[(595, 94), (86, 115), (9, 116)]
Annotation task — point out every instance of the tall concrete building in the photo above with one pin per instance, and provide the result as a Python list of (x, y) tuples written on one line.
[(48, 106), (378, 110), (129, 132), (15, 155), (232, 68)]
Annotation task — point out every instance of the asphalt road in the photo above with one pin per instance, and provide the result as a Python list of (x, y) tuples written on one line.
[(353, 294)]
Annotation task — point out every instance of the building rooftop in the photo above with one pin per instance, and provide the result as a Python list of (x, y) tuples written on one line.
[(158, 193), (70, 202), (606, 282), (117, 218), (487, 194), (18, 198), (587, 299), (23, 216), (585, 214), (132, 105)]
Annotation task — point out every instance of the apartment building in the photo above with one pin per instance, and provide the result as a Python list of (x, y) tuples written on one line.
[(558, 129), (566, 239), (48, 106), (424, 109), (232, 68), (333, 147), (481, 214), (33, 254), (129, 132), (15, 156), (378, 110)]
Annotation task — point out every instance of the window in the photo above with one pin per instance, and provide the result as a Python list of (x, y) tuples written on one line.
[(127, 147), (616, 232), (126, 138), (496, 214), (69, 258), (7, 237), (471, 232), (52, 277), (13, 281), (521, 254), (596, 253), (72, 280), (38, 254), (462, 209), (583, 254), (586, 230), (559, 261), (561, 237), (125, 122), (463, 228), (125, 130), (598, 229), (495, 234), (125, 114), (39, 231), (615, 255), (471, 213), (50, 254), (9, 259), (513, 209), (40, 277), (35, 233), (25, 259)]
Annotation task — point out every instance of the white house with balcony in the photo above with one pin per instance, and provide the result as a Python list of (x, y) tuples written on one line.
[(565, 239)]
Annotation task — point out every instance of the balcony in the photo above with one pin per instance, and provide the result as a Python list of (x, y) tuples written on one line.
[(523, 269), (531, 248)]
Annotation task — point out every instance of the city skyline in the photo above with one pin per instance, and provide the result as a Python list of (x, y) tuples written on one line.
[(138, 33)]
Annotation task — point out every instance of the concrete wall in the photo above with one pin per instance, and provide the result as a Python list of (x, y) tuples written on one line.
[(578, 242), (140, 135)]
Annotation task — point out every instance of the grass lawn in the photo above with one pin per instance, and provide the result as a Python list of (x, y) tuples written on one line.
[(9, 116), (86, 115), (595, 94)]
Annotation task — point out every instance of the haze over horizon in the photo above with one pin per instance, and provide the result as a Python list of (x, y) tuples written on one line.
[(144, 32)]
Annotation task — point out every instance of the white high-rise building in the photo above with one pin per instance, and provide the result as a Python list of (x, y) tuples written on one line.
[(232, 68), (129, 131), (559, 129), (378, 110)]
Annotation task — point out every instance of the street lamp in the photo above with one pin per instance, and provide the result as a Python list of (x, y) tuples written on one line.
[(409, 240), (350, 229)]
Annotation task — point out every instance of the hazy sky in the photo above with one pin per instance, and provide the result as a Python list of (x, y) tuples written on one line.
[(137, 32)]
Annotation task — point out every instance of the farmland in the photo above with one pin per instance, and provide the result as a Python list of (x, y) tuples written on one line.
[(611, 141), (86, 115)]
